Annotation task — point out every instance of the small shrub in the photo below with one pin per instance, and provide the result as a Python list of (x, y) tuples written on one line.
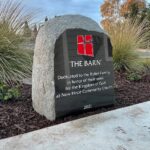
[(146, 64), (8, 93)]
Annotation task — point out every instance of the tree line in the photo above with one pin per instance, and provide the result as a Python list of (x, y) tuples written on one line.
[(114, 10)]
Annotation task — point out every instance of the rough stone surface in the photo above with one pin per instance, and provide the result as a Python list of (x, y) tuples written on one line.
[(122, 129), (43, 90)]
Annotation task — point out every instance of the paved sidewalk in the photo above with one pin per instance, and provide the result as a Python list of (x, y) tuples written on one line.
[(144, 53), (27, 81), (123, 129)]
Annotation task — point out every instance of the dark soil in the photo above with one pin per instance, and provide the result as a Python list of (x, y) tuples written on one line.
[(18, 117)]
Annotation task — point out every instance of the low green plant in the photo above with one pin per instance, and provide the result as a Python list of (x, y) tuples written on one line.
[(134, 76), (8, 93), (126, 37)]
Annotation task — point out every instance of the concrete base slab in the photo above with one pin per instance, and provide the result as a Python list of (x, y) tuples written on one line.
[(27, 81), (144, 53), (123, 129)]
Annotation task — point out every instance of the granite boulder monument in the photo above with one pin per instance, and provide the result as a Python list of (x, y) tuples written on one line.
[(72, 67)]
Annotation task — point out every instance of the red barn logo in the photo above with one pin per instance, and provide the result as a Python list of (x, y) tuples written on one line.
[(85, 45)]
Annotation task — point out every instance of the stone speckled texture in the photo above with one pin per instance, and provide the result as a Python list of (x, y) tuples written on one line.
[(43, 90), (123, 129)]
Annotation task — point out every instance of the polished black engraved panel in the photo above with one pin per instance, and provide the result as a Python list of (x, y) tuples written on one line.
[(83, 71)]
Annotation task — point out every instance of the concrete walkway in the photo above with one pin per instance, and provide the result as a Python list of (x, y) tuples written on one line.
[(144, 53), (122, 129)]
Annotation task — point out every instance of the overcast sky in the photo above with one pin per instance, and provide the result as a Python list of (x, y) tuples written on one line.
[(53, 8)]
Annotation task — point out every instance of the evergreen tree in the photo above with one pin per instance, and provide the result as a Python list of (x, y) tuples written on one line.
[(26, 30), (34, 32)]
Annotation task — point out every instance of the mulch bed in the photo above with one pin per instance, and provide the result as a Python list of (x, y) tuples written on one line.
[(18, 117)]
